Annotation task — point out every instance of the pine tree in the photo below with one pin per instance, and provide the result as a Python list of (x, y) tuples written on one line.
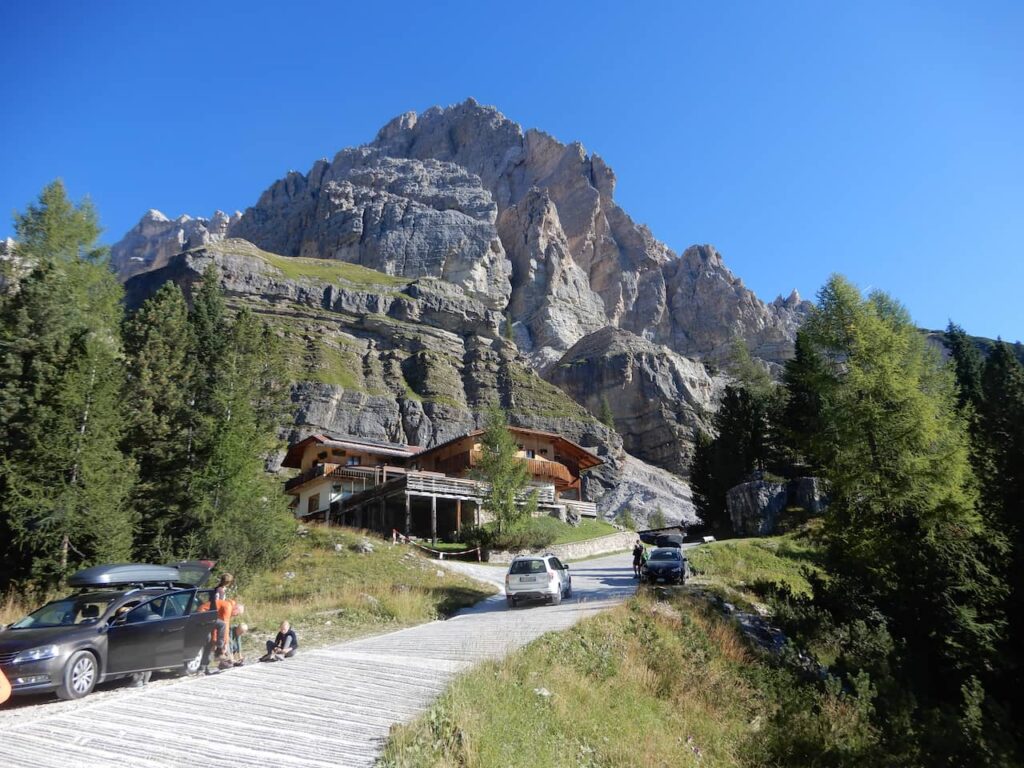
[(161, 382), (507, 476), (243, 522), (64, 482), (745, 441), (999, 459), (967, 364), (904, 540), (801, 421)]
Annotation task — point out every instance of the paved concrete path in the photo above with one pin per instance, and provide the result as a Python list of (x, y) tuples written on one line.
[(331, 706)]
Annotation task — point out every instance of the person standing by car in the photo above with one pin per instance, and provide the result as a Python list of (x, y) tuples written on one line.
[(5, 688), (223, 615), (638, 557)]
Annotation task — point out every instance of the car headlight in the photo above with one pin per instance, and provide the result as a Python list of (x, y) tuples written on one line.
[(41, 653)]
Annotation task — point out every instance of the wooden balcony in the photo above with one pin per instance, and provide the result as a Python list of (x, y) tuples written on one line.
[(310, 474), (367, 476), (539, 469)]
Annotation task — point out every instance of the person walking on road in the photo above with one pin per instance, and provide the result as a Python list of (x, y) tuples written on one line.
[(638, 556)]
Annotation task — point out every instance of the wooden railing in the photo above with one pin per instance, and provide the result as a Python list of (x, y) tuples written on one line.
[(538, 468), (552, 469), (310, 474), (581, 508)]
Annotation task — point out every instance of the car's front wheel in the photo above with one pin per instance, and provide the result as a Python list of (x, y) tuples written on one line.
[(79, 676)]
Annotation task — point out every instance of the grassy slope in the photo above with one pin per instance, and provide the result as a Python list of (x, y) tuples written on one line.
[(660, 680), (587, 529), (738, 569), (327, 270), (335, 595)]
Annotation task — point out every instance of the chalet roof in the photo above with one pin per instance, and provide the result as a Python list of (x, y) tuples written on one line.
[(293, 458), (563, 445)]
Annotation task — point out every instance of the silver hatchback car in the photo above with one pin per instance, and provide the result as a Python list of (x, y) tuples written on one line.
[(537, 577)]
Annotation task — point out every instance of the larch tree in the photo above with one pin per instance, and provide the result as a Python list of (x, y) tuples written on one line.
[(506, 475), (903, 536), (64, 482)]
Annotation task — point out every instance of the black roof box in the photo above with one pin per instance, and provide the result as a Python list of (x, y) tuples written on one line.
[(669, 540), (125, 573)]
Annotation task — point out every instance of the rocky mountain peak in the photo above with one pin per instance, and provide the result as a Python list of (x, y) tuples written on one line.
[(515, 223), (156, 239)]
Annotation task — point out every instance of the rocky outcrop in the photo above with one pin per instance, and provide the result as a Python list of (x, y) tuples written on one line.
[(755, 506), (11, 267), (692, 304), (624, 482), (414, 218), (659, 399), (152, 242)]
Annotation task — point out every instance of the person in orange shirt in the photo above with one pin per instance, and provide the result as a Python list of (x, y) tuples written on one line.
[(5, 688)]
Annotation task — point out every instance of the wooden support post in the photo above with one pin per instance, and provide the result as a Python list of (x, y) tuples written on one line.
[(408, 514), (476, 513), (458, 515), (433, 519)]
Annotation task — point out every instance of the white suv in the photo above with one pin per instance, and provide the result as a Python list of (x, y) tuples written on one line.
[(537, 577)]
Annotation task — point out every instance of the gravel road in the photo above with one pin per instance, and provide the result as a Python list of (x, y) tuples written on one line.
[(330, 706)]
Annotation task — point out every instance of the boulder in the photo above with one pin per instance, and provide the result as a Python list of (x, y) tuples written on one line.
[(754, 507)]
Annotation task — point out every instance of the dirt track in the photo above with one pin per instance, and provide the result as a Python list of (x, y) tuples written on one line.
[(331, 706)]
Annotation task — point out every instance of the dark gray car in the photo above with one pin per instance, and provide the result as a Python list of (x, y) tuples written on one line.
[(666, 565), (124, 619)]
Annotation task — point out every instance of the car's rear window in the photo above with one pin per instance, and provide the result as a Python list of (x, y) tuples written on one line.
[(527, 566), (666, 554)]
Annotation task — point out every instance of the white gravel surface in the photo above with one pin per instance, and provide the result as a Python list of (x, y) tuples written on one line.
[(330, 706)]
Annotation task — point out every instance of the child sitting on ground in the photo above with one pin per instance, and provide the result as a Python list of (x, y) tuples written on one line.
[(284, 645)]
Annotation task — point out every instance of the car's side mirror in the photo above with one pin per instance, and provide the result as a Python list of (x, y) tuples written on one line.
[(566, 566)]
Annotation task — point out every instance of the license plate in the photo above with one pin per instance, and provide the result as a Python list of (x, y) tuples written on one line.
[(528, 578)]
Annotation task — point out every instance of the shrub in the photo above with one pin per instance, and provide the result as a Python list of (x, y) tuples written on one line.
[(534, 533)]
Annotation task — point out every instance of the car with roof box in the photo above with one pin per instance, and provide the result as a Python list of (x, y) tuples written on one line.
[(537, 577), (122, 619)]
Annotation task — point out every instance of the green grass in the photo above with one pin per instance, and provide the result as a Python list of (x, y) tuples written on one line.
[(587, 529), (339, 594), (742, 565), (327, 270), (649, 683)]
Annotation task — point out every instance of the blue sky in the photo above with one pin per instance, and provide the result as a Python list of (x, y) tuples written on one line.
[(881, 140)]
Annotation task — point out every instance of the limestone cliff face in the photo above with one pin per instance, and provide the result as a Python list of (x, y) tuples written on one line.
[(693, 303), (659, 399), (520, 221), (407, 360), (414, 218), (152, 242)]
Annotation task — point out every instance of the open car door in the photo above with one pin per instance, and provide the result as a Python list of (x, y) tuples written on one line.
[(193, 573)]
